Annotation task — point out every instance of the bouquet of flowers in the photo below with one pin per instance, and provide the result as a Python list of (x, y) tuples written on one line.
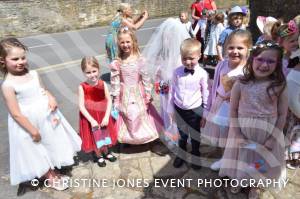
[(162, 87)]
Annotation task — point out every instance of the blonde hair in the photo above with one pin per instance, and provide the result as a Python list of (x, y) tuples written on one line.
[(240, 33), (122, 8), (131, 33), (267, 29), (190, 45), (186, 14), (91, 61), (297, 21), (5, 46)]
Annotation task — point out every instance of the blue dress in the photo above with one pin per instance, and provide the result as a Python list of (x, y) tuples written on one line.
[(111, 40)]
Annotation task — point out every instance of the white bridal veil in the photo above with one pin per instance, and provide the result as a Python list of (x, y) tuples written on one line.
[(163, 49)]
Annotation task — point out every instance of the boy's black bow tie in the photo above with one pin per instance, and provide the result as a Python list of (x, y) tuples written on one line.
[(189, 71)]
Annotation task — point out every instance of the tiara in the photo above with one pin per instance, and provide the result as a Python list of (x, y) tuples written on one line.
[(265, 45), (291, 29)]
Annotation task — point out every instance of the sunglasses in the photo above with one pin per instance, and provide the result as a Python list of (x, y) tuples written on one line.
[(263, 60)]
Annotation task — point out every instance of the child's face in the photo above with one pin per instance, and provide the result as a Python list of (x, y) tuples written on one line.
[(237, 20), (125, 43), (290, 43), (190, 59), (183, 17), (265, 63), (15, 61), (237, 50), (91, 73)]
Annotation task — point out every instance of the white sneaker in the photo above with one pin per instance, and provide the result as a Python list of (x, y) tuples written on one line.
[(216, 165)]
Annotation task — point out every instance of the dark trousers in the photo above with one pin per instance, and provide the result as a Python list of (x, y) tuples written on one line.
[(188, 123)]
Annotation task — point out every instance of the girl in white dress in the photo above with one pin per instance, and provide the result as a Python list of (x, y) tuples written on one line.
[(40, 138)]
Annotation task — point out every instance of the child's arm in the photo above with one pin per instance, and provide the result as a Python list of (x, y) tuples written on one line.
[(115, 82), (234, 105), (105, 120), (194, 14), (136, 25), (146, 82), (52, 101), (82, 108), (220, 44), (281, 118), (205, 95), (14, 110)]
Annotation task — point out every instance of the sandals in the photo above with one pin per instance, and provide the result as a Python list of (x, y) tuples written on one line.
[(110, 157)]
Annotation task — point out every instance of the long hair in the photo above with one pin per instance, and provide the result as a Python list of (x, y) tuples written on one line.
[(277, 78), (5, 46), (135, 47)]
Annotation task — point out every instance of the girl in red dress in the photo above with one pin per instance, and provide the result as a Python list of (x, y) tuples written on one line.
[(95, 107)]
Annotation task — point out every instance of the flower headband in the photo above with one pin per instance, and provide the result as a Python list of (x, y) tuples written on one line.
[(291, 29), (265, 44)]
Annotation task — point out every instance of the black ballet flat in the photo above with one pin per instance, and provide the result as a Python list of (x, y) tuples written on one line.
[(101, 163), (110, 157)]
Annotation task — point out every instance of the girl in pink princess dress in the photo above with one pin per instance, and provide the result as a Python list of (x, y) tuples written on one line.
[(139, 122), (258, 107)]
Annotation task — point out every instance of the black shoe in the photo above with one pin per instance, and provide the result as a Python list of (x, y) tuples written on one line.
[(195, 166), (101, 162), (110, 157), (178, 162)]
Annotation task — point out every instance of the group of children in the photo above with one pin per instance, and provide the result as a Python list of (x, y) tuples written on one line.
[(243, 112)]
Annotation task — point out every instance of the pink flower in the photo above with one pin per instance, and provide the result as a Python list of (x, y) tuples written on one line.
[(292, 26)]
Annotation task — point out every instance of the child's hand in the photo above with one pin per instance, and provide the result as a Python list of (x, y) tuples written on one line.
[(269, 143), (202, 122), (104, 122), (145, 14), (36, 136), (94, 123), (227, 82), (52, 103), (172, 118)]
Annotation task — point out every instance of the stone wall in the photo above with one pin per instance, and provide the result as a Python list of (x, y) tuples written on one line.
[(27, 17)]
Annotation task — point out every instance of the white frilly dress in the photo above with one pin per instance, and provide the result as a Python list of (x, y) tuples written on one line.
[(59, 143)]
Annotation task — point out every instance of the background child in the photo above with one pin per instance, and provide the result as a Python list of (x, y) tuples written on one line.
[(122, 19), (265, 25), (287, 37), (189, 94), (227, 71), (184, 19), (40, 138), (95, 107), (139, 122), (235, 21), (258, 107), (291, 129), (210, 52)]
